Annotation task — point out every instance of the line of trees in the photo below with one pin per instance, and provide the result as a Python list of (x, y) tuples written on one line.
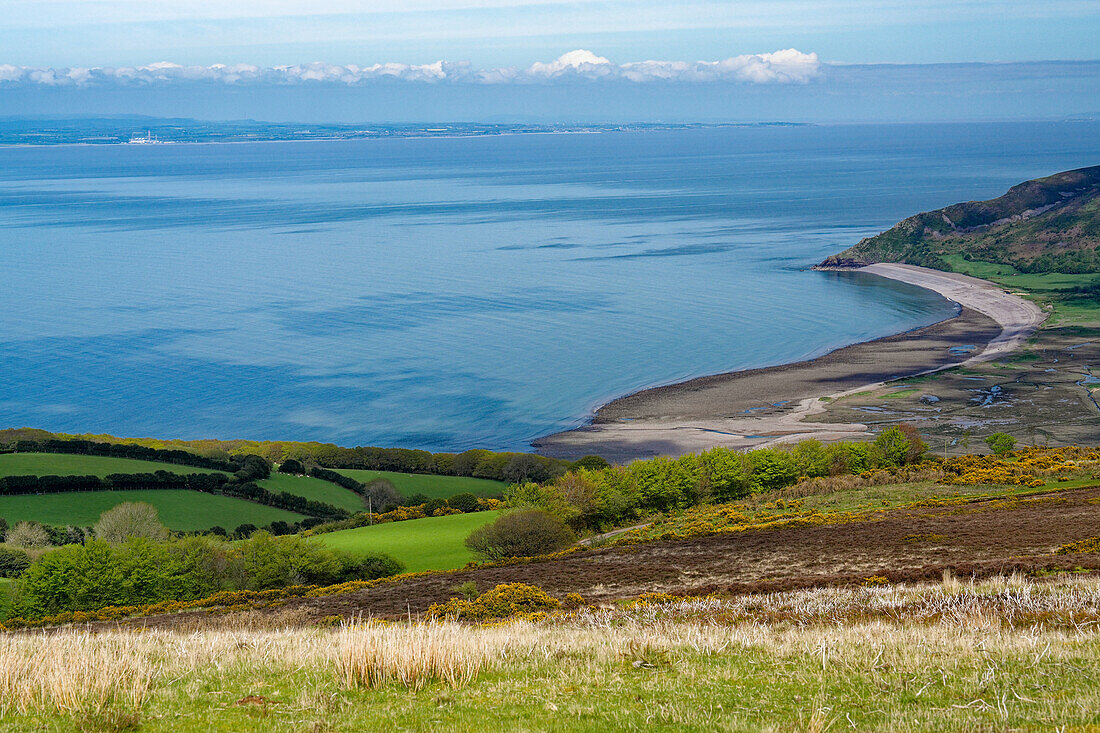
[(230, 464), (139, 570), (209, 483), (476, 463), (590, 499)]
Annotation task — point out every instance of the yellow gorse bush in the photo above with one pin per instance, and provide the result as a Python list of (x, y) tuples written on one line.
[(1023, 467), (508, 600)]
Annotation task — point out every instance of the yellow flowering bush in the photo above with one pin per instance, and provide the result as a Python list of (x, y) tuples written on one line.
[(505, 601), (1092, 544)]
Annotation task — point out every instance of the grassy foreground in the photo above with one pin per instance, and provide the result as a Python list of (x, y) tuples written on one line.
[(1004, 654), (179, 509), (65, 464), (432, 543), (434, 487)]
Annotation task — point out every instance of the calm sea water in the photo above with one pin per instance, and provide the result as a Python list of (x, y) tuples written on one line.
[(447, 293)]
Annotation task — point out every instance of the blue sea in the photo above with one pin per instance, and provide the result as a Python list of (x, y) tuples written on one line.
[(450, 293)]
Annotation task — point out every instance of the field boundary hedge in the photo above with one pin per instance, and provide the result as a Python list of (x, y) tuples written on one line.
[(208, 483), (119, 450)]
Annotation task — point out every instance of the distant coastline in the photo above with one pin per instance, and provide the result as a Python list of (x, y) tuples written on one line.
[(93, 131)]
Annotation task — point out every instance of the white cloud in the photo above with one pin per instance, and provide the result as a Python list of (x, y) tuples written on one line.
[(788, 66), (579, 62)]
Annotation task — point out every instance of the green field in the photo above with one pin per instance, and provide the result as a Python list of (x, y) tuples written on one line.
[(315, 489), (179, 509), (1042, 287), (434, 487), (434, 543), (64, 464)]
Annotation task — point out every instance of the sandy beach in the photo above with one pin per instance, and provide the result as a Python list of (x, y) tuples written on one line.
[(760, 407)]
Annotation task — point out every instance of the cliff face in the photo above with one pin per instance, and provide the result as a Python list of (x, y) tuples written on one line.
[(1048, 224)]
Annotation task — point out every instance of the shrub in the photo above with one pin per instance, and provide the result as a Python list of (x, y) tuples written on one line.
[(369, 567), (503, 601), (520, 534), (274, 562), (13, 562), (27, 534), (1092, 544), (130, 519), (434, 505), (1000, 443), (465, 503)]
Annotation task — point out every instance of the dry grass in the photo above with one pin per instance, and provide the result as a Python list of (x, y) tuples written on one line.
[(818, 656), (374, 655), (74, 673)]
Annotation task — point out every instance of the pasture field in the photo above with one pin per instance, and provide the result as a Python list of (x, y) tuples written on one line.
[(64, 464), (433, 487), (1042, 287), (432, 543), (179, 509), (315, 489)]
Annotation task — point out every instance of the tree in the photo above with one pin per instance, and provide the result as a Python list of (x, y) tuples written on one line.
[(27, 534), (723, 472), (130, 519), (1000, 443), (592, 463), (899, 445), (292, 466), (520, 534), (73, 578), (3, 528), (772, 469), (244, 531), (525, 467), (383, 495)]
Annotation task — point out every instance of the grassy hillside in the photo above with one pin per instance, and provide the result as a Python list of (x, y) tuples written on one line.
[(315, 489), (179, 510), (64, 464), (441, 487), (902, 658), (1045, 225), (434, 543)]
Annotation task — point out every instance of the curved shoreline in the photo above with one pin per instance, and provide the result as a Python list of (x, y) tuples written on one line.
[(760, 407)]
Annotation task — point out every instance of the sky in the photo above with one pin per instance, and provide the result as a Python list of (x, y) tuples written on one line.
[(492, 33), (402, 59)]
